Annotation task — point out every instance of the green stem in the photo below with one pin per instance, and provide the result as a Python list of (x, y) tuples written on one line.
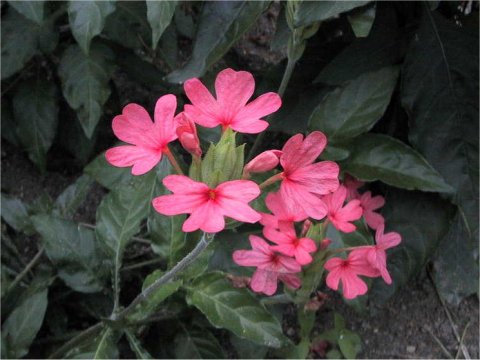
[(25, 271), (142, 264), (281, 91)]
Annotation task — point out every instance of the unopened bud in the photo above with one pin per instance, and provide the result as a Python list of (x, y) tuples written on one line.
[(325, 243), (266, 161), (187, 135), (306, 226)]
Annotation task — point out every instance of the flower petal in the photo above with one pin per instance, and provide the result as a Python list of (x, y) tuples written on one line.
[(133, 126), (142, 159), (320, 178), (298, 153), (201, 98), (253, 126), (238, 210), (207, 217), (164, 113), (233, 89), (262, 106), (276, 236), (250, 258), (312, 205), (181, 184), (264, 281), (177, 204), (241, 190), (200, 117)]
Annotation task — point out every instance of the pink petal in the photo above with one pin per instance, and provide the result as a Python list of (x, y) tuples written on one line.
[(178, 204), (333, 263), (268, 220), (373, 219), (142, 159), (352, 285), (291, 280), (181, 184), (312, 205), (287, 228), (388, 240), (284, 210), (201, 98), (308, 244), (276, 236), (372, 203), (200, 117), (259, 244), (134, 126), (264, 281), (295, 157), (164, 113), (302, 256), (249, 127), (285, 248), (288, 265), (320, 178), (207, 217), (238, 210), (241, 190), (233, 89), (343, 226), (250, 258), (262, 106), (338, 198), (333, 278), (265, 161)]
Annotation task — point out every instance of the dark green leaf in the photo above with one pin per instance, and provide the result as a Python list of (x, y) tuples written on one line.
[(234, 309), (8, 123), (36, 112), (349, 343), (16, 215), (21, 327), (32, 10), (334, 153), (440, 94), (106, 346), (456, 268), (135, 345), (362, 21), (159, 14), (221, 24), (73, 196), (85, 82), (33, 38), (197, 343), (247, 349), (380, 157), (74, 140), (309, 12), (87, 19), (106, 174), (74, 251), (354, 108)]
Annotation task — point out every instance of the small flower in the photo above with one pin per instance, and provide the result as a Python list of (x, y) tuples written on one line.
[(230, 108), (369, 204), (347, 271), (352, 186), (340, 216), (271, 266), (282, 211), (265, 161), (149, 139), (187, 134), (376, 254), (289, 244), (303, 180), (207, 207)]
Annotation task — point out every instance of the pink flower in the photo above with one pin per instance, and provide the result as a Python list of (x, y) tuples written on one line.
[(303, 180), (271, 266), (265, 161), (369, 204), (207, 207), (289, 244), (340, 216), (187, 134), (376, 254), (352, 186), (282, 211), (230, 108), (347, 271), (149, 139)]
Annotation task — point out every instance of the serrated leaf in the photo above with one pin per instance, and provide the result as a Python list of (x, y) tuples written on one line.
[(36, 112), (159, 14), (34, 38), (87, 19), (73, 196), (197, 343), (234, 309), (362, 21), (309, 12), (32, 10), (380, 157), (85, 82), (15, 214), (106, 174), (74, 251), (440, 94), (354, 109), (135, 345), (221, 24), (23, 324)]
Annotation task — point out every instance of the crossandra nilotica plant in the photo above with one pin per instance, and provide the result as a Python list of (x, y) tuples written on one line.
[(309, 195)]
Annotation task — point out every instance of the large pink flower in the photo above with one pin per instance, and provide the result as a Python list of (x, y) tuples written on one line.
[(230, 108), (369, 205), (376, 254), (303, 180), (289, 244), (149, 139), (207, 207), (271, 266), (341, 216), (347, 271), (281, 211)]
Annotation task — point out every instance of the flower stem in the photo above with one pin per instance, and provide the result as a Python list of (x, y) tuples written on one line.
[(25, 271), (271, 180), (173, 161)]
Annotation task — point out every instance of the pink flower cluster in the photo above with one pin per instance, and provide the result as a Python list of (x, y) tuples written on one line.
[(309, 190)]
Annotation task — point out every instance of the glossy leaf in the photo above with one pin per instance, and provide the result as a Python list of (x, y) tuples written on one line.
[(362, 21), (73, 196), (105, 174), (380, 157), (353, 109), (23, 324), (247, 349), (74, 251), (32, 10), (221, 24), (197, 343), (159, 14), (15, 214), (234, 309), (135, 345), (87, 19), (85, 82), (442, 105), (309, 12), (36, 112)]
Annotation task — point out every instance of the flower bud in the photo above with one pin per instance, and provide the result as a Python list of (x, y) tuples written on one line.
[(187, 135), (306, 226), (266, 161), (325, 243)]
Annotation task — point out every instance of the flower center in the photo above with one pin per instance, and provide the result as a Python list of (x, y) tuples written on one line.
[(212, 194)]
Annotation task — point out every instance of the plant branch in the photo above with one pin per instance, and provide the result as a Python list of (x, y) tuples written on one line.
[(25, 271)]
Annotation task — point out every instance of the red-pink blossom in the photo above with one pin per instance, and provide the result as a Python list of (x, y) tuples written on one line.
[(347, 271), (369, 204), (207, 207), (303, 180), (282, 211), (148, 139), (271, 266), (265, 161), (352, 186), (376, 254), (187, 134), (230, 109), (341, 216), (289, 244)]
